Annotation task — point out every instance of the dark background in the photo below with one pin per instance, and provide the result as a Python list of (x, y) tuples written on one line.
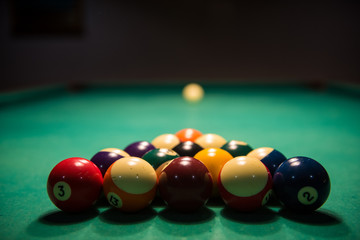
[(77, 42)]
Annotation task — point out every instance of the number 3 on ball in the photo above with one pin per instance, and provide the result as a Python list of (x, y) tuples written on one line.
[(62, 191)]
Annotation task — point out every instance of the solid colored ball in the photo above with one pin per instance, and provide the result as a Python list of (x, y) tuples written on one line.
[(269, 156), (188, 134), (245, 184), (214, 159), (165, 141), (301, 184), (187, 148), (210, 140), (74, 184), (106, 157), (237, 148), (193, 92), (138, 149), (130, 184), (185, 184), (158, 156)]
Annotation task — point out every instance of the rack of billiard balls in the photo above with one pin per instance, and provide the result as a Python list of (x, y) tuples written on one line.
[(186, 169)]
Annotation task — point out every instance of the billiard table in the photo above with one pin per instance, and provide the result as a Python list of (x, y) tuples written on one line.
[(42, 126)]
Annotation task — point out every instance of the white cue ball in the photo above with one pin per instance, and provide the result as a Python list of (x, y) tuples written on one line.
[(193, 92)]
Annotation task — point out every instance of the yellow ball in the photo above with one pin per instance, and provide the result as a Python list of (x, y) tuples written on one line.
[(214, 159), (193, 92)]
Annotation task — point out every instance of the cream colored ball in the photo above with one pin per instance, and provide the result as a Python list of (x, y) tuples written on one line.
[(193, 92)]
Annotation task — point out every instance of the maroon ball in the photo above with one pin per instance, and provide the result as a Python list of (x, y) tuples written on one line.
[(185, 184)]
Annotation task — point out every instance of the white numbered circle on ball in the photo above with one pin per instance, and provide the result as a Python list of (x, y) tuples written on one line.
[(307, 195), (266, 197), (114, 199), (62, 191)]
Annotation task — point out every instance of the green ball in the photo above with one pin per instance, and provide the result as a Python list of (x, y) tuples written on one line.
[(158, 156), (237, 148)]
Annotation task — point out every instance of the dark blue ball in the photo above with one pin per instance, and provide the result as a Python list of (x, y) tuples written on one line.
[(104, 159), (138, 149), (271, 157), (301, 184), (273, 160)]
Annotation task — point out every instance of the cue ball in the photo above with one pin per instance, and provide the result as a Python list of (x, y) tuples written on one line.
[(245, 183), (193, 92), (130, 184), (74, 184), (270, 157), (301, 184), (185, 184)]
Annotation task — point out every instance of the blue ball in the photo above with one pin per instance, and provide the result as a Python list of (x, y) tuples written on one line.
[(273, 160), (268, 156), (138, 149), (301, 184)]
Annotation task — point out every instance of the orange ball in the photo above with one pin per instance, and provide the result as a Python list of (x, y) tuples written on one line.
[(130, 184), (188, 134), (214, 159)]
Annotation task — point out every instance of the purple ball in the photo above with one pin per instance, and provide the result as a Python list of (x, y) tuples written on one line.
[(104, 159), (138, 149)]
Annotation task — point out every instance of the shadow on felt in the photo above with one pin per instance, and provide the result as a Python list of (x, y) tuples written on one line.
[(318, 217), (202, 215), (64, 218), (187, 224), (321, 223), (58, 223), (114, 216), (115, 223), (261, 216)]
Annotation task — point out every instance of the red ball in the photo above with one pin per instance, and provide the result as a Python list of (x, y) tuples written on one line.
[(185, 184), (245, 183), (74, 184)]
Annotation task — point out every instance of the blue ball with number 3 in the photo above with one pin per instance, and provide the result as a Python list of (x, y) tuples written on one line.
[(301, 184)]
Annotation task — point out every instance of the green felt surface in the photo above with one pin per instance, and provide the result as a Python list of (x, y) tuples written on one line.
[(38, 129)]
